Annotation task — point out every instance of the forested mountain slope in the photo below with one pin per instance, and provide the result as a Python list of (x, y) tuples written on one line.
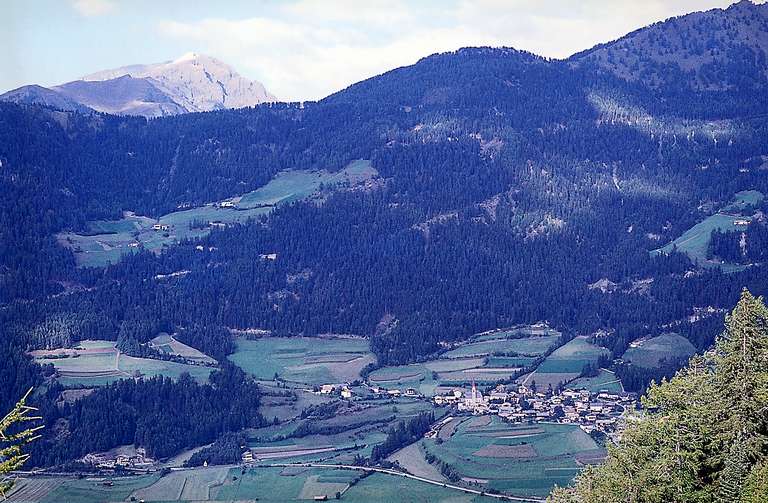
[(508, 185), (715, 50)]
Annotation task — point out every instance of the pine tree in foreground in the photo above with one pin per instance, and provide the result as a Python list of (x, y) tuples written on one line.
[(704, 434), (13, 437)]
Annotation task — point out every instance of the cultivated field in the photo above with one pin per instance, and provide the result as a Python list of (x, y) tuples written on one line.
[(271, 485), (185, 485), (501, 342), (96, 363), (472, 361), (292, 484), (107, 241), (33, 489), (94, 490), (307, 360), (412, 459), (524, 460), (167, 344), (349, 430), (565, 363), (649, 352), (605, 380)]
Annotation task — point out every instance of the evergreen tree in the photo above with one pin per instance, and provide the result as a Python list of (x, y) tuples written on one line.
[(704, 434), (13, 437)]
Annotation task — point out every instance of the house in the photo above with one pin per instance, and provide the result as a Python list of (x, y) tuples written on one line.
[(346, 393), (227, 204), (394, 392), (160, 227), (327, 389), (741, 222), (498, 396), (217, 224), (411, 392)]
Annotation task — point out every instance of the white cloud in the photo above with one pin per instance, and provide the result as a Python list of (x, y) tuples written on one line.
[(91, 8), (308, 49)]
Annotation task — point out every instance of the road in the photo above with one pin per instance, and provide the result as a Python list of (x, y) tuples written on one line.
[(502, 497)]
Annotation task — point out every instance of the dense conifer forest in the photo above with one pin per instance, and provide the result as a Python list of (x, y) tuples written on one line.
[(508, 186)]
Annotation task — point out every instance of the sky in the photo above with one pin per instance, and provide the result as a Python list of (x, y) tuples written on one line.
[(301, 49)]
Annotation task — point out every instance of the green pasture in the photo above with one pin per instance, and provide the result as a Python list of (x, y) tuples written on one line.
[(94, 491), (603, 381), (649, 353), (98, 363), (291, 484), (427, 376), (510, 361), (107, 241), (745, 198), (359, 427), (566, 363), (309, 360), (695, 241), (266, 484), (532, 345)]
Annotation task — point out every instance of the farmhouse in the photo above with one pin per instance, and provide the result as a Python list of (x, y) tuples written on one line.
[(741, 222), (227, 204), (160, 227), (327, 389)]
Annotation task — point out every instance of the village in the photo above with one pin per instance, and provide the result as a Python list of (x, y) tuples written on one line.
[(601, 412), (592, 412)]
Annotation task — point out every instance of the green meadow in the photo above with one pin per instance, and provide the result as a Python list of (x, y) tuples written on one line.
[(695, 241), (648, 353), (107, 241), (565, 363), (603, 381), (475, 360), (306, 360), (98, 363)]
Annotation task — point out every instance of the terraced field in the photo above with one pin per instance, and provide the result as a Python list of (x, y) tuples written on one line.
[(521, 460), (307, 360), (648, 353), (108, 241), (565, 363), (96, 363)]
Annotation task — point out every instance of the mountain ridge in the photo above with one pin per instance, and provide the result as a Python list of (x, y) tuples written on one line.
[(191, 83)]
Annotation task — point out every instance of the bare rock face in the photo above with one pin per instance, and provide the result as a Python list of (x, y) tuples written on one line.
[(192, 83)]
